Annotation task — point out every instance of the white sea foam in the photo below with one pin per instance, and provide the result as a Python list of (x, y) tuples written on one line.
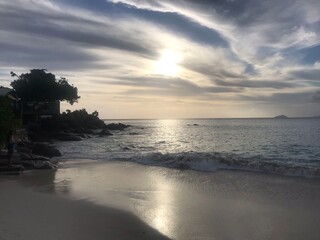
[(211, 162), (288, 147)]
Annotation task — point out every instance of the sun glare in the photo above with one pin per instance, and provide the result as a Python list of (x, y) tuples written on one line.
[(168, 63)]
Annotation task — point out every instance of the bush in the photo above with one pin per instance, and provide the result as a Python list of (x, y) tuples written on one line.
[(8, 120), (78, 121)]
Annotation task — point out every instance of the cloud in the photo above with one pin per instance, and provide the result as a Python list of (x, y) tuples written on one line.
[(256, 84), (306, 74), (57, 24), (315, 97), (250, 26), (230, 52), (279, 98), (166, 86)]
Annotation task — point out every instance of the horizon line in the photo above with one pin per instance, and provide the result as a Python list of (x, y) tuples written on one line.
[(204, 118)]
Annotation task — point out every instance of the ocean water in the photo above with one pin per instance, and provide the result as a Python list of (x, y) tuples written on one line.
[(278, 146)]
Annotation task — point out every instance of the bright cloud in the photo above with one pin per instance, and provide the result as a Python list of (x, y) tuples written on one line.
[(138, 59)]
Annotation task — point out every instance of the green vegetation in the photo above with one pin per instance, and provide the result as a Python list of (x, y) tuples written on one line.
[(40, 86), (80, 119), (8, 120)]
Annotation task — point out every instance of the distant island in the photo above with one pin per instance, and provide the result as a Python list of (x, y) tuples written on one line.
[(281, 117)]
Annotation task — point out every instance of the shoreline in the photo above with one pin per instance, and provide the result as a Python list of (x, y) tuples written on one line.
[(180, 204), (28, 214)]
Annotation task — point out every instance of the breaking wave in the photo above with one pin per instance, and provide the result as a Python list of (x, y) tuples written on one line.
[(210, 162)]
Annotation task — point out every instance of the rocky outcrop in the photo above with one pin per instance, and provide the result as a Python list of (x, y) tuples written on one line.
[(104, 132), (45, 150), (116, 126), (37, 156), (65, 137), (38, 164), (31, 156)]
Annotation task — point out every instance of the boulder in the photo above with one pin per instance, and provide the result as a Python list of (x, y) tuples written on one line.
[(45, 150), (65, 136), (38, 137), (30, 156), (69, 138), (23, 149), (116, 126), (39, 165), (104, 132)]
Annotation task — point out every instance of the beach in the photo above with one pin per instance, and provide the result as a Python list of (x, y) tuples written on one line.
[(87, 199)]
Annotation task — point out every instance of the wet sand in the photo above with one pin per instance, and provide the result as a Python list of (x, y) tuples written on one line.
[(25, 214), (119, 200)]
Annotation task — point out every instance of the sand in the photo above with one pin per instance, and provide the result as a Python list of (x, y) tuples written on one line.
[(119, 200), (26, 214)]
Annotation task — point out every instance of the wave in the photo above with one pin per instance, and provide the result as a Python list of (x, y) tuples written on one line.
[(210, 162)]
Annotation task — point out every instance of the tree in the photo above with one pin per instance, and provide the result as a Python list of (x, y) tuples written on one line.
[(40, 86), (95, 113), (8, 120)]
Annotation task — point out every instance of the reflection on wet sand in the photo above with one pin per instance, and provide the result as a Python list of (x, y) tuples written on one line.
[(191, 205), (161, 216)]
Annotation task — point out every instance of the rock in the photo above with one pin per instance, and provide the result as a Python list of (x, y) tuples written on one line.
[(39, 165), (65, 136), (38, 137), (69, 138), (116, 126), (281, 117), (23, 149), (30, 156), (45, 150), (104, 132)]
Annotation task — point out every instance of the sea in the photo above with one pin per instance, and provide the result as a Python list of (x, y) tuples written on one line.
[(276, 146)]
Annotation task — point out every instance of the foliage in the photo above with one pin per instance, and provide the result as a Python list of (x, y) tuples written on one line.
[(8, 121), (81, 119), (78, 121), (40, 86)]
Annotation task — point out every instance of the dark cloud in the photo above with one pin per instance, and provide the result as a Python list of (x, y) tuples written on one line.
[(53, 25), (177, 23), (278, 98), (315, 97), (167, 86), (306, 74), (26, 52), (216, 70), (39, 53), (257, 29), (256, 84)]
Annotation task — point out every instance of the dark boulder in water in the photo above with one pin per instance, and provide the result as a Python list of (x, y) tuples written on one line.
[(104, 132), (116, 126), (45, 150)]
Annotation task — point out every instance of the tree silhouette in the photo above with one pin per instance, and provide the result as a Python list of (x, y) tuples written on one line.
[(40, 86), (8, 120)]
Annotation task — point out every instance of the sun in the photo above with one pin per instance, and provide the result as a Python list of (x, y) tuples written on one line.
[(167, 64)]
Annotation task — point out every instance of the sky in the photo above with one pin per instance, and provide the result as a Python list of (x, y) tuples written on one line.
[(171, 59)]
